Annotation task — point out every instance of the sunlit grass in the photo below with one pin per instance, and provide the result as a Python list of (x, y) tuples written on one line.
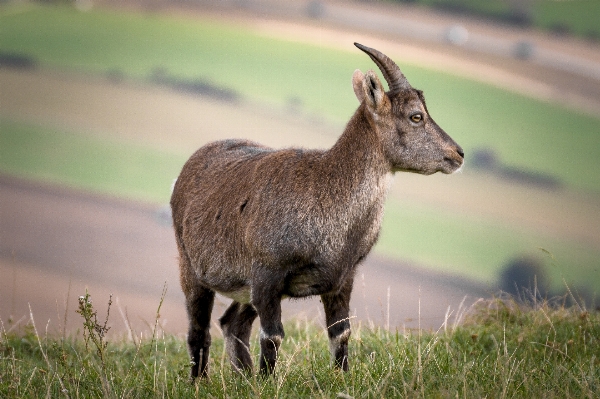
[(499, 349)]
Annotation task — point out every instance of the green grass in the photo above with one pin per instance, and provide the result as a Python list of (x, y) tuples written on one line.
[(86, 161), (579, 17), (501, 350), (259, 67), (458, 244), (525, 133)]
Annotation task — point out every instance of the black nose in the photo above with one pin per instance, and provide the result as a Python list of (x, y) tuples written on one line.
[(460, 152)]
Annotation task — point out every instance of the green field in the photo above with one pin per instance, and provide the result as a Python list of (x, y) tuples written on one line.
[(578, 17), (451, 243), (501, 351), (524, 132), (457, 244), (88, 162)]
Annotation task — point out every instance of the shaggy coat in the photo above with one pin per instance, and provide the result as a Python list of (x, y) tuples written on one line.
[(258, 225)]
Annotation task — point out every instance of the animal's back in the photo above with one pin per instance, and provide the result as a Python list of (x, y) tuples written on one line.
[(237, 203), (211, 167)]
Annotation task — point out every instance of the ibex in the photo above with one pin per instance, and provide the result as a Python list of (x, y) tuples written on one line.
[(258, 225)]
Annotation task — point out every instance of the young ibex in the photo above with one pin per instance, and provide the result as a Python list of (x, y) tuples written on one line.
[(258, 225)]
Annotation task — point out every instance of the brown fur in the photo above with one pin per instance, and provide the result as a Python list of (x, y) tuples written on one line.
[(259, 225)]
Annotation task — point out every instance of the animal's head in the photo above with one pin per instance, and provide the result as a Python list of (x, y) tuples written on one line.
[(412, 141)]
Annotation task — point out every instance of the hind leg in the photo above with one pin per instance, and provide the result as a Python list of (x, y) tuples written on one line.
[(199, 303), (199, 308), (236, 323)]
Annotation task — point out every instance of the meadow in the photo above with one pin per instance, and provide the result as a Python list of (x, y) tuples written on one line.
[(87, 162), (526, 134), (577, 17), (497, 348), (462, 247), (573, 17), (500, 350)]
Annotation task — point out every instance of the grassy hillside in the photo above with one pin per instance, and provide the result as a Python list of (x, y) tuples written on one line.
[(88, 162), (578, 17), (457, 244), (502, 350), (525, 133)]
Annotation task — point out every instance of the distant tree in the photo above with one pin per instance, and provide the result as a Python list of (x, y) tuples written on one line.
[(524, 274)]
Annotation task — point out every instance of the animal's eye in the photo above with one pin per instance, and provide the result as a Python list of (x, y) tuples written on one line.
[(416, 118)]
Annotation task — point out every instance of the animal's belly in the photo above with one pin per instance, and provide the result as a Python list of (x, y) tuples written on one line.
[(313, 280), (241, 295)]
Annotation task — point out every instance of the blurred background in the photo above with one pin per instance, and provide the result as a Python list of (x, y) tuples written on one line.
[(102, 102)]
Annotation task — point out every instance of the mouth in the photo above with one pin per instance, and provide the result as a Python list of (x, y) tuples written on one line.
[(452, 164), (449, 164)]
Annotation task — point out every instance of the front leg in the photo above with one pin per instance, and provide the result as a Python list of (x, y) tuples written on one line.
[(266, 298), (337, 318)]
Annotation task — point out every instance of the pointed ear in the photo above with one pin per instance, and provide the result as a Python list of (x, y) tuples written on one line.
[(357, 84), (373, 91)]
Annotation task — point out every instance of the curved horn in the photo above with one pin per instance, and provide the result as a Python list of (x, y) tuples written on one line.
[(391, 72)]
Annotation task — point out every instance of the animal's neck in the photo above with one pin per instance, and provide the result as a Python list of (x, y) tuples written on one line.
[(356, 168), (360, 178), (358, 154)]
